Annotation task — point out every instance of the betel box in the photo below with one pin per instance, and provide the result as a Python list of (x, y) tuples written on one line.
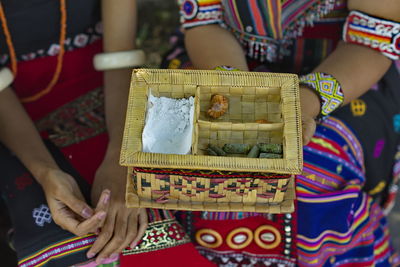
[(199, 181)]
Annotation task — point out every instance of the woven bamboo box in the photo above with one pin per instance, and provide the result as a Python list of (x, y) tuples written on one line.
[(202, 182)]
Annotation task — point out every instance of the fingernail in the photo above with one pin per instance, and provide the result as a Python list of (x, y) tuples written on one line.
[(114, 256), (90, 255), (133, 245), (87, 213), (106, 198), (101, 215), (99, 260)]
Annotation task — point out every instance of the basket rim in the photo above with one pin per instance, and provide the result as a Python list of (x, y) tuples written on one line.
[(131, 154)]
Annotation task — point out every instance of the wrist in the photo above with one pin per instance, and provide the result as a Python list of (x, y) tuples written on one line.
[(43, 171), (310, 102)]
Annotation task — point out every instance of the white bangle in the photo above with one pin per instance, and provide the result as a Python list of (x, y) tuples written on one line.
[(119, 60), (6, 78)]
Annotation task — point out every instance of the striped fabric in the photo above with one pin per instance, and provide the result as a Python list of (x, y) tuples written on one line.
[(265, 27), (340, 225), (58, 250)]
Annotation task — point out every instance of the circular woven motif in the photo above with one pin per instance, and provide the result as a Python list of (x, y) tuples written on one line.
[(190, 9), (267, 237), (208, 238), (239, 238)]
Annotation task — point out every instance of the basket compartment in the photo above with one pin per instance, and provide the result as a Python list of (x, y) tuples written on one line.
[(221, 133), (178, 92), (246, 104)]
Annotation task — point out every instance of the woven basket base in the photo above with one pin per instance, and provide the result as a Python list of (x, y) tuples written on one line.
[(286, 206)]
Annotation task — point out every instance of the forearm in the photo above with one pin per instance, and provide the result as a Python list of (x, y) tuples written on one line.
[(119, 20), (18, 133), (357, 68), (210, 46)]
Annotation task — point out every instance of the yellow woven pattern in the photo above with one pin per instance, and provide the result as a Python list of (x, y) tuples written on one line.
[(138, 195)]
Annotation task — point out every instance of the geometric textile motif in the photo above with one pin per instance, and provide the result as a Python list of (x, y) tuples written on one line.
[(327, 88), (58, 250), (161, 185), (378, 34), (200, 12), (76, 121), (160, 235), (41, 215)]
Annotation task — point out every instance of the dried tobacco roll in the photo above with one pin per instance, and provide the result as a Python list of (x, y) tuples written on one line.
[(271, 148), (236, 148), (270, 156), (217, 150), (254, 152)]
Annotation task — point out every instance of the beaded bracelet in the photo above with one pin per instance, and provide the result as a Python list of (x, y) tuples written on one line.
[(376, 33), (328, 90), (226, 68)]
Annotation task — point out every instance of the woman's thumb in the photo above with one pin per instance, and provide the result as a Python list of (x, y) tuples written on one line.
[(78, 206)]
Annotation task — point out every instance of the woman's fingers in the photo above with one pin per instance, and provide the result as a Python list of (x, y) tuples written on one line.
[(121, 238), (104, 200), (103, 204), (67, 220), (104, 236), (309, 127), (143, 223), (76, 202), (90, 225)]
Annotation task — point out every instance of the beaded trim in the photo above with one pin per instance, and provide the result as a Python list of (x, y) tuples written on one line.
[(226, 68), (80, 40), (200, 12), (327, 88), (160, 235), (379, 34), (263, 48)]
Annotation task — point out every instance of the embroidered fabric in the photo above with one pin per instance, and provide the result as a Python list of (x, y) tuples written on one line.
[(76, 121), (80, 40), (160, 235), (265, 37), (379, 34)]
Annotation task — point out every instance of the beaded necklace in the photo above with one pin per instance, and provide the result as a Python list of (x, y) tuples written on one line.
[(60, 56)]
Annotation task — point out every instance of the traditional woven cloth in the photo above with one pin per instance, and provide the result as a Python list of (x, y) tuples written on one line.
[(265, 28)]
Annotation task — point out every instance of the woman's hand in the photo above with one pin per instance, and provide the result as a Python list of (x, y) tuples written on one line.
[(123, 226), (310, 108), (68, 207)]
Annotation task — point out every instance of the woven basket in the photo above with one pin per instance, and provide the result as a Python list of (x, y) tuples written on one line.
[(202, 182)]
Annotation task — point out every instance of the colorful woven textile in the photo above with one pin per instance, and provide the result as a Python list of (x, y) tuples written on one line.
[(338, 223), (265, 28)]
